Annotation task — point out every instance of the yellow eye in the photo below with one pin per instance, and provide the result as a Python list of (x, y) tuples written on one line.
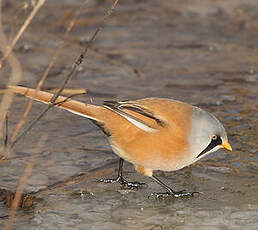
[(214, 137)]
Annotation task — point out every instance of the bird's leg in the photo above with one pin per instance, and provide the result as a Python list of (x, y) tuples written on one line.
[(170, 192), (120, 179)]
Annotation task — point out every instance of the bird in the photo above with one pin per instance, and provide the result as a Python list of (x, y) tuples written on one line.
[(151, 133)]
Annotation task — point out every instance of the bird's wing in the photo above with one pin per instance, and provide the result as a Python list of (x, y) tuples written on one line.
[(135, 114)]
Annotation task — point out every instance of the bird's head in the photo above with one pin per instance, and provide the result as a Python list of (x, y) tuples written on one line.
[(207, 134)]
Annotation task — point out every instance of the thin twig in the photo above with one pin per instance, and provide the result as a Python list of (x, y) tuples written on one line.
[(68, 98), (6, 131), (44, 76), (9, 49), (22, 121), (31, 125), (80, 59), (15, 76), (77, 63), (39, 117)]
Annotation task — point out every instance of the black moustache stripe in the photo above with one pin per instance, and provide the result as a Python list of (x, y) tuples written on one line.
[(212, 145)]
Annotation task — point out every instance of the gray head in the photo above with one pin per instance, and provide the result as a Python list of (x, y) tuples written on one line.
[(207, 134)]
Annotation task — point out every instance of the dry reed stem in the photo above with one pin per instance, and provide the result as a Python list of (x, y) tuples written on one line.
[(79, 60), (77, 63), (10, 47), (16, 73), (43, 78), (22, 184), (16, 69)]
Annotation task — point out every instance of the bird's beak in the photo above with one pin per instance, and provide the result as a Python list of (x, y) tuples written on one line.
[(227, 146)]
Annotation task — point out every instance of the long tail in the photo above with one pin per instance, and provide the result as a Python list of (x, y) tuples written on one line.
[(76, 107)]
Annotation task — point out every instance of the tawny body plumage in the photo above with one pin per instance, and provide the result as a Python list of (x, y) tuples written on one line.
[(151, 133), (153, 150)]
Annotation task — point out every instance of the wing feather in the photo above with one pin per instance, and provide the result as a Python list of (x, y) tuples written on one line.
[(120, 107)]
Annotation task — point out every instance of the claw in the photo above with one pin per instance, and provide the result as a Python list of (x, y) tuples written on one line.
[(123, 182), (161, 194), (110, 180), (134, 184), (182, 193)]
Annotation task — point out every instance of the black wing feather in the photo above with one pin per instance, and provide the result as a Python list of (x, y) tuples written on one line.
[(135, 108)]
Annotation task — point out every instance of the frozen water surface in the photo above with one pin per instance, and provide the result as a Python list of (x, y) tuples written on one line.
[(201, 52)]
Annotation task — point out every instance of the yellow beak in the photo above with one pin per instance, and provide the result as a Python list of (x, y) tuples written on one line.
[(226, 145)]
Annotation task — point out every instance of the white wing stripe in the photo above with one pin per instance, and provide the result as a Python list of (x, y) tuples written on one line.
[(135, 121), (80, 114)]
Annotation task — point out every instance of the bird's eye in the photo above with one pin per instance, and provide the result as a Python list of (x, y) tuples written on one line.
[(214, 137)]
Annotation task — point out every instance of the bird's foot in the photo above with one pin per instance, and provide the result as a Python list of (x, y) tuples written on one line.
[(182, 193), (133, 184), (124, 183), (113, 180)]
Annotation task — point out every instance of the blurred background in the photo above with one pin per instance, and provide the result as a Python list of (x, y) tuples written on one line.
[(203, 52)]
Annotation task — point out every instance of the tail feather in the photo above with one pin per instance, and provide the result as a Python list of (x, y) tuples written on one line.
[(73, 106)]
